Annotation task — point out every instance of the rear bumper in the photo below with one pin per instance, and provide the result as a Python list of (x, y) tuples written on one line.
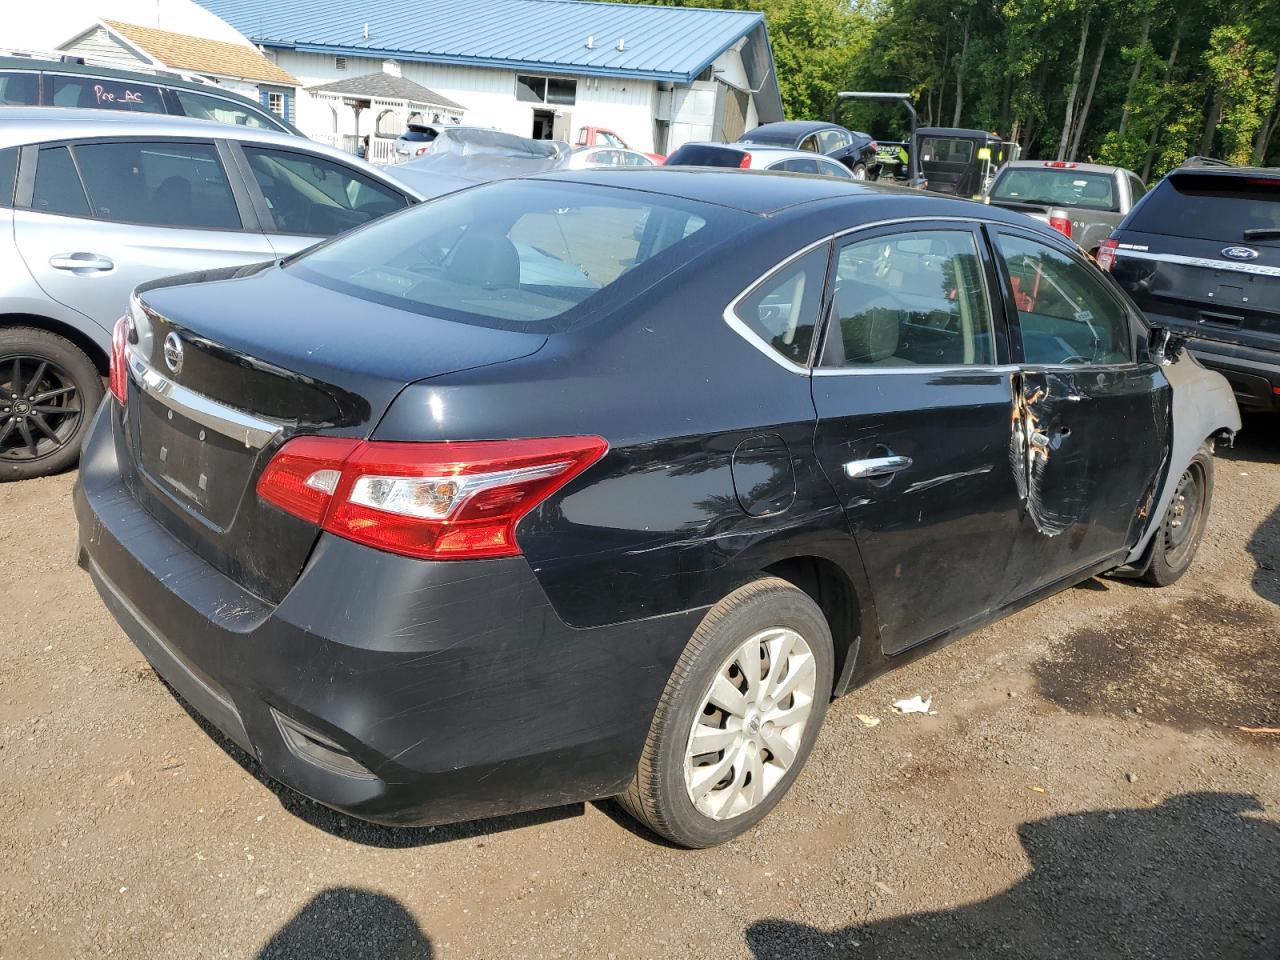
[(1254, 374), (399, 691)]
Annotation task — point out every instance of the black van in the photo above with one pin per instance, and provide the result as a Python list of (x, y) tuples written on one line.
[(1200, 254), (28, 82)]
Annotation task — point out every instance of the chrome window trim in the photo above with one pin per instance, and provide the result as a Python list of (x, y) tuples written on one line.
[(1260, 270), (736, 323), (253, 432)]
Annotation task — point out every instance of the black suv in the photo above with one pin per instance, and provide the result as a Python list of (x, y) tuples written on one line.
[(1201, 255)]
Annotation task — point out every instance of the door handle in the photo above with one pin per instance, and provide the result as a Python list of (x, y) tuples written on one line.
[(876, 467), (77, 262)]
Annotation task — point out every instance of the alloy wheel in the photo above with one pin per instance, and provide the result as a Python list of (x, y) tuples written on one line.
[(39, 408), (752, 721)]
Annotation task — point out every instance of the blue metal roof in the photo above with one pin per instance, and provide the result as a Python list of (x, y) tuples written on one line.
[(660, 43)]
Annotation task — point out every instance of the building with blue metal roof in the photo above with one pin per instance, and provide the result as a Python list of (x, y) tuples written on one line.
[(656, 77)]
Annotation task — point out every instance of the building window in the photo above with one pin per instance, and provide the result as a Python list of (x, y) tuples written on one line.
[(339, 63), (275, 103), (553, 90)]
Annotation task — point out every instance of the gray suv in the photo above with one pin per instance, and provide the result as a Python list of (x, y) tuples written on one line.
[(92, 204)]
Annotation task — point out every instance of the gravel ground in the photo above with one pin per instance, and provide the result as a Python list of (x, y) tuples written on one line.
[(1083, 791)]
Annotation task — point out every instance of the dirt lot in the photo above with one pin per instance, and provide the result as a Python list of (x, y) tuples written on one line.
[(1084, 791)]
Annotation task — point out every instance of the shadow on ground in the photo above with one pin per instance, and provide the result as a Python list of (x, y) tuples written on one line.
[(345, 923), (1195, 877)]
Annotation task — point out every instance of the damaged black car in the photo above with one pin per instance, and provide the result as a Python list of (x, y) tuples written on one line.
[(607, 484)]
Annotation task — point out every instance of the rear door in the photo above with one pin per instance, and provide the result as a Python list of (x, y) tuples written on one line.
[(94, 219), (302, 197), (1091, 420), (914, 396)]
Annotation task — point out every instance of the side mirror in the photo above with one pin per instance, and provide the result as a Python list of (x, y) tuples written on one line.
[(1165, 346)]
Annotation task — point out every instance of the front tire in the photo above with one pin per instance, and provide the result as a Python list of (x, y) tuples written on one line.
[(49, 390), (1174, 545), (738, 718)]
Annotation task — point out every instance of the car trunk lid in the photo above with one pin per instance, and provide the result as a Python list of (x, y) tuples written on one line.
[(223, 373)]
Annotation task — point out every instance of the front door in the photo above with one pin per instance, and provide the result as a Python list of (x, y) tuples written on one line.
[(914, 397), (1092, 421), (100, 218)]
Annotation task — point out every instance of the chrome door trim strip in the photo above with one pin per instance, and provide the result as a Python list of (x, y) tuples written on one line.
[(253, 432), (1259, 270)]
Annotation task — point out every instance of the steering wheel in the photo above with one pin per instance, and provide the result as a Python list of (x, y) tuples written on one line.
[(1075, 358)]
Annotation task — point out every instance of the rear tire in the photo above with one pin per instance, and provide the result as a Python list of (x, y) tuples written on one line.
[(859, 171), (49, 390), (738, 760), (1175, 543)]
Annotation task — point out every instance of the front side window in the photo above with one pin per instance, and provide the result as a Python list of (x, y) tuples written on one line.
[(219, 110), (1136, 187), (57, 188), (164, 184), (910, 299), (1065, 314), (782, 311), (610, 139), (517, 253), (315, 196), (99, 93)]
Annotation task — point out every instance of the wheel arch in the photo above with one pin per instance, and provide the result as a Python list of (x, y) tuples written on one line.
[(73, 334)]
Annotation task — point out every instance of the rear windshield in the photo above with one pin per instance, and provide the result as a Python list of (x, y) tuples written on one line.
[(704, 155), (1229, 209), (945, 150), (1056, 188), (765, 136), (418, 135), (521, 254)]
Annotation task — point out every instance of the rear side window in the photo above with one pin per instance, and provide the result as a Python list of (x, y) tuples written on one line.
[(910, 299), (704, 155), (1057, 188), (19, 89), (57, 188), (8, 174), (516, 253), (217, 109), (314, 196), (1207, 207), (1064, 313), (100, 93), (783, 309), (164, 184)]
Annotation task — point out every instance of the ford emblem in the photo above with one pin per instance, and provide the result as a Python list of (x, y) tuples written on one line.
[(1240, 253), (173, 353)]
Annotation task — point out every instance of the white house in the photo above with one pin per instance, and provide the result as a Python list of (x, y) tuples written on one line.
[(656, 76)]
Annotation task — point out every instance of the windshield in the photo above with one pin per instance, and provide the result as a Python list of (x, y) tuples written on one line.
[(517, 253), (1056, 188), (475, 141), (1227, 209)]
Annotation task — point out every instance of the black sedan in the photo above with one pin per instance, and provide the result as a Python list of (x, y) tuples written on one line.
[(606, 484), (855, 150)]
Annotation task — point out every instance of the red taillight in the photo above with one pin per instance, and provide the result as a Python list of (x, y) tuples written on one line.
[(420, 151), (874, 146), (1062, 225), (437, 501), (118, 380), (745, 162), (1106, 255)]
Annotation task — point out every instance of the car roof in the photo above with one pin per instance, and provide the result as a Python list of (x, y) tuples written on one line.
[(1080, 167), (766, 193), (794, 127), (955, 132), (167, 78), (1268, 172), (20, 126)]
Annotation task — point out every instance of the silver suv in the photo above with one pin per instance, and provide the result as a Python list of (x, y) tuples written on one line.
[(92, 204)]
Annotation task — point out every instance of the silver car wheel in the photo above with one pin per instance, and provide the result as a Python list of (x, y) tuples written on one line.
[(751, 724)]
